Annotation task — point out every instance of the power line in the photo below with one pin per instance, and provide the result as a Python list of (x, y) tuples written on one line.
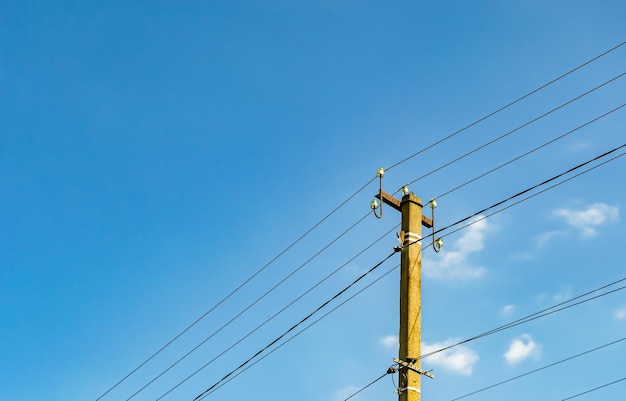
[(547, 312), (507, 105), (542, 313), (530, 151), (535, 187), (305, 328), (456, 223), (264, 322), (245, 282), (306, 233), (266, 293), (594, 389), (540, 369), (297, 324), (516, 129)]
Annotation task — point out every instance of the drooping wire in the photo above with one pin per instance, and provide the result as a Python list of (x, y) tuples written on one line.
[(540, 369), (506, 106), (529, 152), (594, 389), (322, 306), (466, 154)]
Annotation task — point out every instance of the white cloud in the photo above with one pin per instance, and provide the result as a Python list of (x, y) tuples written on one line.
[(507, 310), (389, 342), (577, 146), (589, 218), (620, 314), (453, 264), (346, 392), (460, 359), (522, 348), (541, 240), (564, 294)]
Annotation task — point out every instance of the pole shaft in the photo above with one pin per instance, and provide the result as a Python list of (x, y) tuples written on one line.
[(410, 296)]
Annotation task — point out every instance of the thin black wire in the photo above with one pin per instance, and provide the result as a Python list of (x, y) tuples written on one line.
[(506, 106), (304, 329), (247, 308), (456, 223), (273, 316), (501, 210), (540, 369), (546, 310), (368, 385), (529, 318), (533, 195), (530, 151), (176, 337), (594, 389), (245, 282), (296, 325), (515, 129), (533, 187)]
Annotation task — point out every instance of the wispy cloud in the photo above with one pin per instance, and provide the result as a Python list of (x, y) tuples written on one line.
[(453, 264), (620, 314), (346, 392), (522, 348), (541, 240), (507, 310), (389, 342), (460, 359), (588, 219), (563, 294)]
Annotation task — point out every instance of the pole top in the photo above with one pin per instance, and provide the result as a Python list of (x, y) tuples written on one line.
[(412, 198)]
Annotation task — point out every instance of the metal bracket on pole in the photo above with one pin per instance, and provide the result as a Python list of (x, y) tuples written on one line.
[(409, 365)]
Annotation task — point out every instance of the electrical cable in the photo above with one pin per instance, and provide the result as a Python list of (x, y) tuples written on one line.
[(530, 151), (536, 186), (499, 203), (296, 325), (245, 282), (458, 222), (304, 329), (540, 369), (367, 385), (506, 106), (547, 310), (594, 389), (515, 129), (247, 308), (542, 313), (233, 292), (265, 321)]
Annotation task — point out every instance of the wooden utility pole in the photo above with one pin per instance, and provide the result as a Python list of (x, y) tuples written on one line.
[(410, 292)]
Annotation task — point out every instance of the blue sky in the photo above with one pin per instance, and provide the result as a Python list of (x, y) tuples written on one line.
[(155, 155)]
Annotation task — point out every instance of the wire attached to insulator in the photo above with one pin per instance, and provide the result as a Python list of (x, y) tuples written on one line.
[(374, 204), (438, 243)]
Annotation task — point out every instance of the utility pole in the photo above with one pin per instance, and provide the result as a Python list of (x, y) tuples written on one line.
[(410, 288)]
